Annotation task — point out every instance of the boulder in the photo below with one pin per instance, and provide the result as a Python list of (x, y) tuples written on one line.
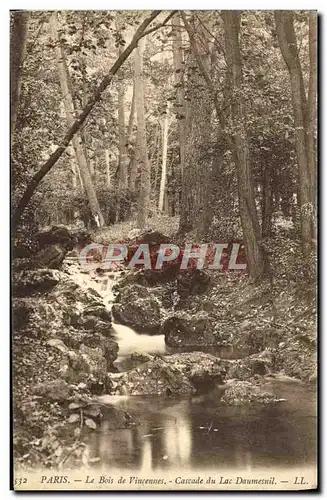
[(151, 277), (192, 282), (20, 264), (178, 374), (239, 393), (98, 311), (21, 313), (153, 238), (87, 365), (257, 364), (139, 309), (30, 282), (51, 256), (56, 235), (54, 390), (192, 330), (35, 317)]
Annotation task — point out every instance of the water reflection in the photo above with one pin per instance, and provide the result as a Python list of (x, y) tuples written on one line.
[(206, 434)]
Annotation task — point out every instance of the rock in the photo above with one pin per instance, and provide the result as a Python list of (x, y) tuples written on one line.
[(238, 393), (87, 365), (202, 369), (153, 238), (178, 374), (154, 378), (298, 359), (58, 344), (141, 357), (257, 364), (35, 317), (56, 235), (51, 256), (192, 282), (116, 418), (138, 309), (256, 339), (30, 282), (21, 313), (151, 277), (98, 311), (20, 264), (199, 329), (82, 238), (54, 390)]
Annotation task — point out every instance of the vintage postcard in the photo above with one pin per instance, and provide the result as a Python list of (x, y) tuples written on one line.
[(164, 248)]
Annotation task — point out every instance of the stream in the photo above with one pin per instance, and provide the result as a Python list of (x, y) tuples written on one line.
[(201, 432)]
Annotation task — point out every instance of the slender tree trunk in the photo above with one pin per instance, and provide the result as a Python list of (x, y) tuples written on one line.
[(69, 107), (122, 138), (156, 152), (18, 41), (288, 46), (144, 165), (83, 135), (131, 116), (107, 161), (123, 160), (312, 107), (165, 128), (180, 106), (74, 174), (247, 208)]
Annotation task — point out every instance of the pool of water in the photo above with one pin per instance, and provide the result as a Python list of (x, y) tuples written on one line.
[(201, 433)]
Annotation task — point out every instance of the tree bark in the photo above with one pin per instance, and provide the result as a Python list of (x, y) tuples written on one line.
[(76, 141), (107, 162), (288, 46), (18, 41), (247, 208), (142, 155), (123, 160), (131, 117), (196, 211), (180, 106), (312, 105), (47, 166), (165, 128)]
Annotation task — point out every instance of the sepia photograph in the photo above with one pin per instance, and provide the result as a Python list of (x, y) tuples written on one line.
[(163, 250)]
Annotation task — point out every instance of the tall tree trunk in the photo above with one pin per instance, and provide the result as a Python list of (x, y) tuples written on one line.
[(312, 106), (84, 136), (107, 162), (123, 160), (18, 41), (165, 128), (69, 107), (247, 208), (144, 165), (131, 116), (195, 210), (288, 46), (180, 107)]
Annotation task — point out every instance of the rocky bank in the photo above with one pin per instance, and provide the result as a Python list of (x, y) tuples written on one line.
[(64, 346)]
